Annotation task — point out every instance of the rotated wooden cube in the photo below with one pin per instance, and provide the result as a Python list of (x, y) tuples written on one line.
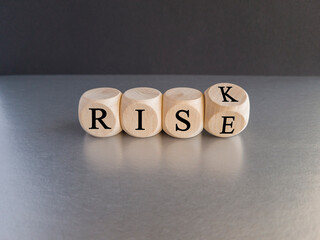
[(227, 109)]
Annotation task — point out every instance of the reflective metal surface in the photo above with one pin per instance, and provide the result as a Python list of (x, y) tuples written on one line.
[(59, 183)]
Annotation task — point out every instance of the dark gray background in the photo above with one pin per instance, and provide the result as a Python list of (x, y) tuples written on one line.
[(160, 37)]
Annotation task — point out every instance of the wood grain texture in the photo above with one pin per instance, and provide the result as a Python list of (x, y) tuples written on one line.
[(227, 109), (140, 112), (100, 101), (183, 112)]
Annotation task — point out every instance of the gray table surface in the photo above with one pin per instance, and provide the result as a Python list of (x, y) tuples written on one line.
[(59, 183)]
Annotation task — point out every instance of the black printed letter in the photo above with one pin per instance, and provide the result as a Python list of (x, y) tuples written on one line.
[(140, 119), (225, 94), (94, 118), (182, 120), (227, 124)]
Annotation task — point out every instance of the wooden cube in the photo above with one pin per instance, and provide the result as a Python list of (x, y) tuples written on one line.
[(183, 112), (227, 109), (140, 112), (99, 112)]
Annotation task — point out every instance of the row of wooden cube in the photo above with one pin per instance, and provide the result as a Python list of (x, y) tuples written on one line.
[(223, 110)]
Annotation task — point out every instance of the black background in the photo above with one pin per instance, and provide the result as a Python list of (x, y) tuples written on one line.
[(276, 37)]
